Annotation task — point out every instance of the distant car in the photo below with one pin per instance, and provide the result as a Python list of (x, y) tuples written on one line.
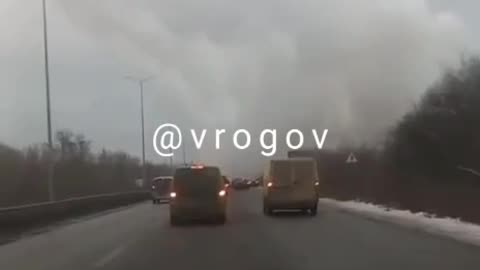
[(252, 182), (240, 183), (291, 184), (255, 182), (161, 189), (198, 192)]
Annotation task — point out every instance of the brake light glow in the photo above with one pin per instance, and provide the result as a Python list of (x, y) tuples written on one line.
[(173, 194), (269, 184), (222, 193), (196, 167), (317, 183)]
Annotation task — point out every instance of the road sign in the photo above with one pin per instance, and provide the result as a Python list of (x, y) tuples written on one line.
[(351, 159)]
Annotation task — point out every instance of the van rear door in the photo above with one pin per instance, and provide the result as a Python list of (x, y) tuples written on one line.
[(282, 180), (304, 178)]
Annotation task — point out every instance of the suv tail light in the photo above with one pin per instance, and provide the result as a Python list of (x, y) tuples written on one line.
[(222, 193), (173, 194), (269, 184)]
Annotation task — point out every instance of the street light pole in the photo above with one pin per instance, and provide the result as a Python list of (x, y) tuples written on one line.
[(144, 172), (51, 192), (184, 155), (141, 81)]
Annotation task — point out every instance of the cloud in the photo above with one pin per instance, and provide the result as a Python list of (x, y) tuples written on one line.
[(351, 66)]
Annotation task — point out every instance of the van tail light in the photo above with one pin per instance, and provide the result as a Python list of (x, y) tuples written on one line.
[(173, 194), (222, 193), (269, 184)]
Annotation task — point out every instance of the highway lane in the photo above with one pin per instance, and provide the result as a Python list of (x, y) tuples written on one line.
[(141, 238)]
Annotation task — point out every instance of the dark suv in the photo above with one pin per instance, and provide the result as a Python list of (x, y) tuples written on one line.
[(198, 192)]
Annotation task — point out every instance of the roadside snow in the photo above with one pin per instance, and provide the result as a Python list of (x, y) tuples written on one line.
[(449, 227)]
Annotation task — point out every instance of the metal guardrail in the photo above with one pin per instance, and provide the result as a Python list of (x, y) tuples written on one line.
[(30, 214), (24, 206)]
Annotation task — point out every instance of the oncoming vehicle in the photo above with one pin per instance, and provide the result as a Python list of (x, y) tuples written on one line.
[(198, 192), (290, 184), (161, 189)]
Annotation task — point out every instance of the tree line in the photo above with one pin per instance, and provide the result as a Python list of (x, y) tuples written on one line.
[(77, 170), (440, 137), (431, 157)]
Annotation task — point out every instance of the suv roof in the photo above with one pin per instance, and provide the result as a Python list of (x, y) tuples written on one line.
[(197, 166), (162, 177)]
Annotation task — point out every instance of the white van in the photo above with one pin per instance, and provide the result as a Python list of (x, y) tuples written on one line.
[(290, 184), (161, 189)]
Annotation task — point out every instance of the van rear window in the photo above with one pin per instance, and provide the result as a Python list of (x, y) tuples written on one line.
[(161, 183), (287, 172), (281, 172), (304, 170)]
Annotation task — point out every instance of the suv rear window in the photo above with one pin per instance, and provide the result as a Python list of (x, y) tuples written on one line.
[(188, 181)]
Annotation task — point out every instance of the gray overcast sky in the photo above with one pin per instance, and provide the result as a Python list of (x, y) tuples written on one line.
[(351, 66)]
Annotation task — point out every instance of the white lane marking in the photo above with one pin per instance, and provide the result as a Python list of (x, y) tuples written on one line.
[(110, 256)]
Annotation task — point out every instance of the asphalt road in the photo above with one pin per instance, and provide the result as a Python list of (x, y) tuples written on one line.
[(140, 238)]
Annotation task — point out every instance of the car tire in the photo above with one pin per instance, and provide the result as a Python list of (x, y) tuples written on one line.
[(313, 211)]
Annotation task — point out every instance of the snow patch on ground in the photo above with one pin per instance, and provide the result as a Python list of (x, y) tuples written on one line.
[(449, 227)]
